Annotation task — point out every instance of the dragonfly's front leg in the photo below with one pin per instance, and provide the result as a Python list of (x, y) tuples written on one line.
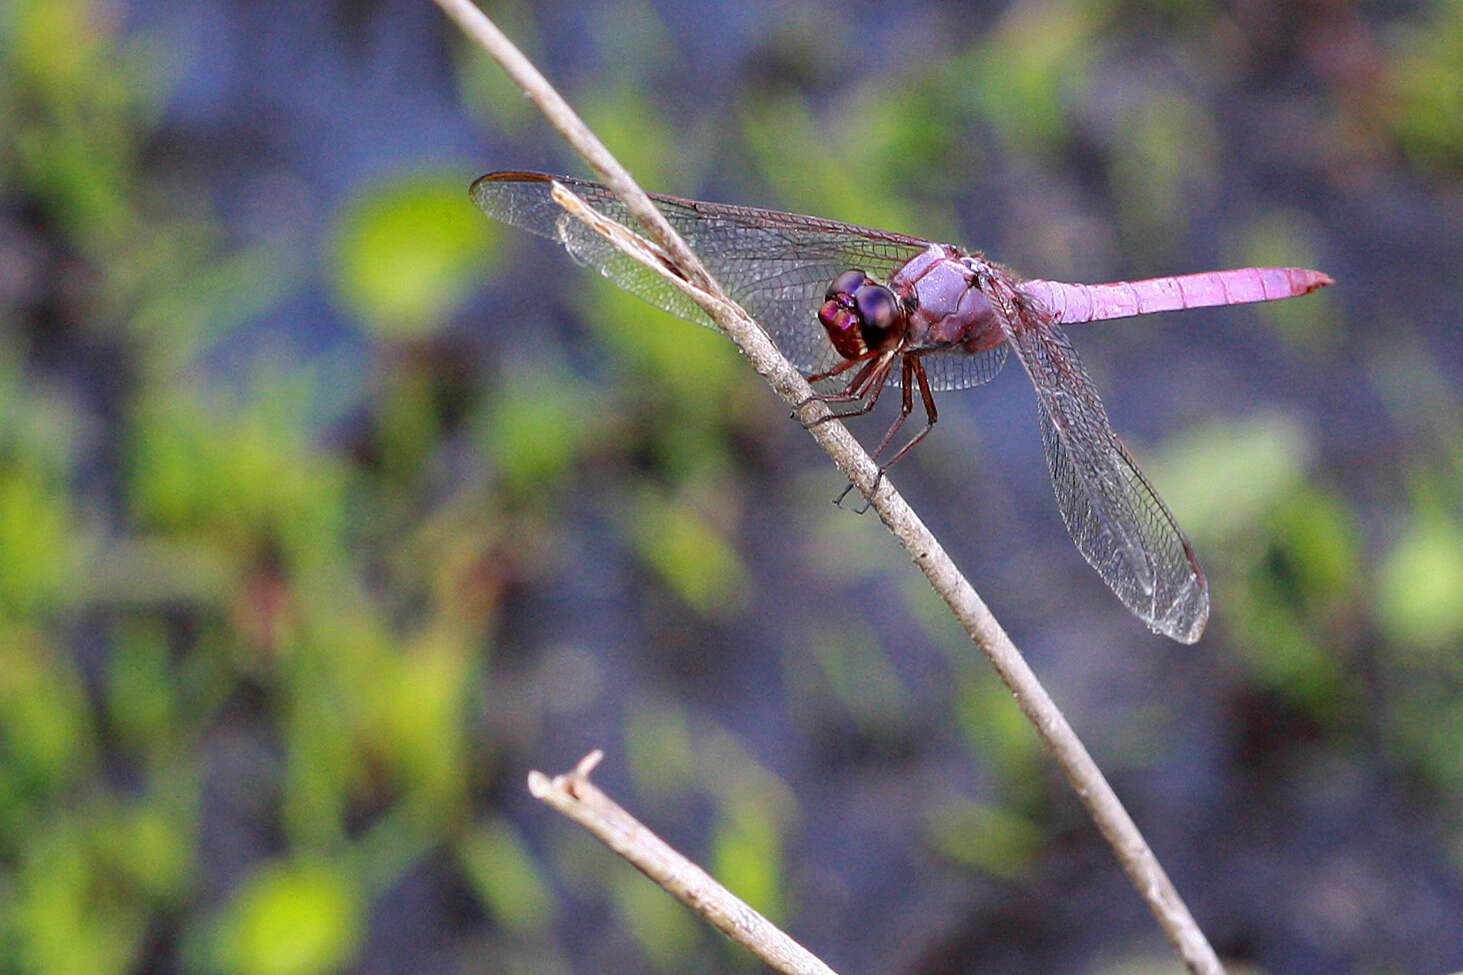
[(912, 372), (863, 389)]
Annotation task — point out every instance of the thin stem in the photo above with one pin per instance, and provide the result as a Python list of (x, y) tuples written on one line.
[(579, 799), (1133, 852)]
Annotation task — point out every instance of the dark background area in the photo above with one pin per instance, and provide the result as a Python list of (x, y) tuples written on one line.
[(329, 508)]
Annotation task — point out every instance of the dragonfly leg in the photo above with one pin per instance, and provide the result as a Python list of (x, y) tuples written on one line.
[(915, 369), (906, 406), (863, 389), (874, 383), (842, 367), (913, 372)]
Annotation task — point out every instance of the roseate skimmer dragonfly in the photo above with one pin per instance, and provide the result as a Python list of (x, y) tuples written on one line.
[(840, 299)]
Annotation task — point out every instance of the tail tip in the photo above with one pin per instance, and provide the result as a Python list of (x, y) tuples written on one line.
[(1312, 280)]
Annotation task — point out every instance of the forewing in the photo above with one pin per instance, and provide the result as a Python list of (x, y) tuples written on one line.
[(1112, 513), (775, 265)]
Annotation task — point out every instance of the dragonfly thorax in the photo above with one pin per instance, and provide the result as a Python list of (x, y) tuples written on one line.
[(950, 309)]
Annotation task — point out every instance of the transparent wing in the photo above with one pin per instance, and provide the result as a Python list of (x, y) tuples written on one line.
[(775, 265), (1112, 513)]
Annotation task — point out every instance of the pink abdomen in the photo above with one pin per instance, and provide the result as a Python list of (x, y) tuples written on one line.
[(1120, 299)]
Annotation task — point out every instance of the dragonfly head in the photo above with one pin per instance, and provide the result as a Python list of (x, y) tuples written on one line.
[(861, 316)]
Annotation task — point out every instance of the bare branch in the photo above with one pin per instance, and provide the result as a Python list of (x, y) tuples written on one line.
[(579, 799), (1133, 852)]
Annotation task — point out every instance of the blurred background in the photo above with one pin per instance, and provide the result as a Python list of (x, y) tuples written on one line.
[(329, 508)]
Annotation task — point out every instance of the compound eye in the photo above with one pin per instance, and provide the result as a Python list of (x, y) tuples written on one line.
[(878, 310), (846, 284)]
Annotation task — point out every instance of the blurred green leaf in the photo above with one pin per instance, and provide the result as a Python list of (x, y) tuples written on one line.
[(693, 556), (747, 856), (1427, 88), (658, 750), (181, 306), (39, 539), (507, 877), (140, 686), (1424, 723), (647, 146), (1299, 604), (78, 142), (1165, 159), (484, 88), (155, 840), (695, 368), (409, 423), (535, 426), (666, 930), (47, 739), (1019, 76), (984, 837), (236, 473), (1258, 459), (321, 764), (425, 702), (858, 673), (75, 916), (408, 253), (864, 142), (1282, 238), (291, 919), (86, 879), (1322, 547), (1420, 583), (997, 733)]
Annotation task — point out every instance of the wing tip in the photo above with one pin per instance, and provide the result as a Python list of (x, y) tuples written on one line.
[(1187, 614), (1182, 630)]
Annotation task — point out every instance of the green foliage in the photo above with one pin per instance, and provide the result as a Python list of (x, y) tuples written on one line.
[(1259, 459), (1284, 238), (659, 751), (1297, 599), (666, 931), (746, 856), (691, 554), (1166, 159), (507, 877), (984, 837), (88, 881), (406, 254), (864, 138), (857, 673), (39, 534), (291, 919), (1426, 109), (535, 427), (48, 742), (1022, 72), (996, 732), (1420, 584)]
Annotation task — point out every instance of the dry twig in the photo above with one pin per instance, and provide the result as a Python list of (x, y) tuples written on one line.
[(579, 799)]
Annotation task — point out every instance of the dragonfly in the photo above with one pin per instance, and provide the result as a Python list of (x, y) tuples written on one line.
[(848, 304)]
